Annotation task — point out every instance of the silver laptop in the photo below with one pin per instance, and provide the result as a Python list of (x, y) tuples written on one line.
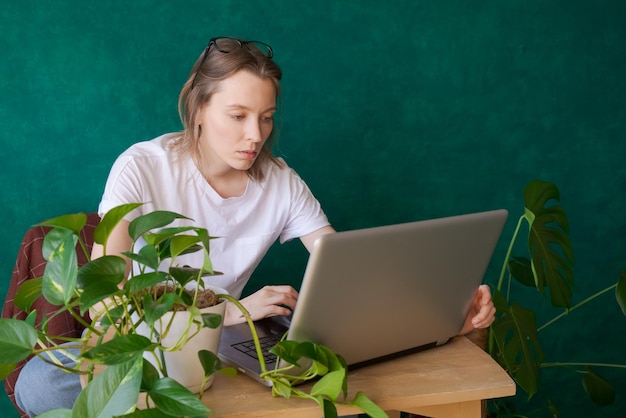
[(374, 293)]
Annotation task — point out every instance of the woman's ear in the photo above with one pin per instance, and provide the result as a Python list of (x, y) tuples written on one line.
[(197, 122)]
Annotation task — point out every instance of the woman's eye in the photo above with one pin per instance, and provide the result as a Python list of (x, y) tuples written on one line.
[(267, 119), (236, 117)]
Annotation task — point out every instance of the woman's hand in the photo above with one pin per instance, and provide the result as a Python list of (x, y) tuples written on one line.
[(482, 313), (269, 301)]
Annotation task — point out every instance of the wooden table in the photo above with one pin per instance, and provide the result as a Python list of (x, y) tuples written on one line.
[(447, 381)]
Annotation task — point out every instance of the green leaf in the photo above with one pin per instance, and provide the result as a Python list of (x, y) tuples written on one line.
[(203, 233), (28, 292), (330, 411), (165, 250), (330, 385), (207, 265), (309, 350), (120, 349), (186, 299), (599, 389), (206, 240), (549, 243), (144, 281), (228, 371), (211, 320), (286, 350), (164, 234), (31, 319), (153, 310), (72, 222), (173, 398), (281, 387), (210, 362), (145, 413), (522, 271), (109, 268), (54, 239), (366, 405), (59, 277), (99, 279), (110, 220), (149, 377), (331, 360), (152, 220), (111, 393), (184, 275), (181, 243), (147, 256), (519, 351), (56, 413), (620, 292), (17, 339), (112, 316)]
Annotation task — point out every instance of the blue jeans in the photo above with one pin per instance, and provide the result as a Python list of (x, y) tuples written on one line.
[(41, 387)]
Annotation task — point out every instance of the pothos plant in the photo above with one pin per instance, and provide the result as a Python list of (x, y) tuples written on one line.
[(116, 369), (514, 339), (329, 368)]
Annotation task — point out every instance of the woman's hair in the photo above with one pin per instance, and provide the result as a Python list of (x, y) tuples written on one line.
[(210, 69)]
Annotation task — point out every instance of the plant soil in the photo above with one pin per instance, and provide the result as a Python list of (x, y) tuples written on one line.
[(205, 299)]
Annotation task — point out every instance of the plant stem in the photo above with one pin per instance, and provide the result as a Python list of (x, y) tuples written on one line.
[(83, 247), (255, 336), (509, 251), (578, 305), (63, 349), (559, 364), (79, 319)]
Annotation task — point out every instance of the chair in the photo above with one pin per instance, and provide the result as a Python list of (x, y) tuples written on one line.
[(30, 264)]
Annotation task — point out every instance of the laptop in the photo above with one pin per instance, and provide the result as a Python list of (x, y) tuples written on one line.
[(380, 292)]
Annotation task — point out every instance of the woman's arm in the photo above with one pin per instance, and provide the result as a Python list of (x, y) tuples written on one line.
[(118, 241), (272, 300), (309, 240)]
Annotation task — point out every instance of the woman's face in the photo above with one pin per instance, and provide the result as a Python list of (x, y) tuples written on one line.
[(236, 122)]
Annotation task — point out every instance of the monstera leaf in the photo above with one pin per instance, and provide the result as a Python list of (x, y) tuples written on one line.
[(600, 390), (518, 347), (548, 244)]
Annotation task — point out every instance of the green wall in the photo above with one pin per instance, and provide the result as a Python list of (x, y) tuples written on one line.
[(393, 111)]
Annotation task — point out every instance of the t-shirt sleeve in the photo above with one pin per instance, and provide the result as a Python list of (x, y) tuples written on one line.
[(123, 186), (306, 214)]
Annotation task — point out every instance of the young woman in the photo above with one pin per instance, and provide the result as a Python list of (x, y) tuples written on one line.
[(219, 171)]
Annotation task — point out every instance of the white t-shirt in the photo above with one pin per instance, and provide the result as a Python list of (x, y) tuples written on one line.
[(280, 206)]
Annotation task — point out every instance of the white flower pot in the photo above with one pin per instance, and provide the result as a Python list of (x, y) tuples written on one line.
[(183, 365)]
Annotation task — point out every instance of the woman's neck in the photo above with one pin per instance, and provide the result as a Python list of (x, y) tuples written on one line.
[(227, 182)]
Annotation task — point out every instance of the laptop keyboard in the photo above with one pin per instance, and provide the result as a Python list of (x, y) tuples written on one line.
[(247, 347)]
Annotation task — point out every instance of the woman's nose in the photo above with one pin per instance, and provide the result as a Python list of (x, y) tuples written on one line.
[(253, 131)]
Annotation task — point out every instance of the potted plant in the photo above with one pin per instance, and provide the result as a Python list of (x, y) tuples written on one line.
[(132, 328), (131, 345), (514, 339)]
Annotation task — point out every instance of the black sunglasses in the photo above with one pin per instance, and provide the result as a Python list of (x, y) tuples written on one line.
[(225, 44)]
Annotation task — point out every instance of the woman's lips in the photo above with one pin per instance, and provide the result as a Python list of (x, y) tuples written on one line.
[(249, 155)]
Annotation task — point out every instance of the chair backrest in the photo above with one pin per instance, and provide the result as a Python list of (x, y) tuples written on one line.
[(30, 264)]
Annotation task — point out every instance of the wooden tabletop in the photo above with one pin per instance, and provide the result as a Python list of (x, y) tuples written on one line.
[(446, 381)]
